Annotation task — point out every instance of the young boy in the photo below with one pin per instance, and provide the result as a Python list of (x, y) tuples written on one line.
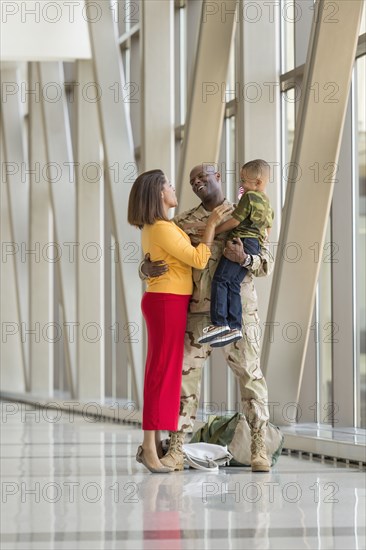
[(250, 221)]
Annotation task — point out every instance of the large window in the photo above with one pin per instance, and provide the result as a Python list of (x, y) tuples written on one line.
[(360, 234), (227, 164), (294, 20), (325, 335), (288, 35)]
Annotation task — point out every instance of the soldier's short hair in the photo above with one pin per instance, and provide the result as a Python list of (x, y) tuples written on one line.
[(145, 205)]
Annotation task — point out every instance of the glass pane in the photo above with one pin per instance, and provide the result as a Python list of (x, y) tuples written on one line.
[(118, 10), (183, 63), (126, 60), (126, 14), (324, 334), (180, 53), (361, 235), (288, 35), (363, 20), (113, 283), (178, 152), (231, 91), (134, 89), (229, 177), (288, 133)]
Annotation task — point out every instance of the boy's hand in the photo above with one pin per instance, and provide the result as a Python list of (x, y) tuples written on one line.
[(153, 269), (234, 251)]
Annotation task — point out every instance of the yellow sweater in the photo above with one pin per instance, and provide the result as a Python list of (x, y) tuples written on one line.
[(166, 241)]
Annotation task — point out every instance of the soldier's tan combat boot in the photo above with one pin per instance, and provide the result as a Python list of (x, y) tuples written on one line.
[(259, 459), (174, 457)]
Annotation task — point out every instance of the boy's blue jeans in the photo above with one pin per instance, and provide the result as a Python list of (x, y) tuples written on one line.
[(225, 290)]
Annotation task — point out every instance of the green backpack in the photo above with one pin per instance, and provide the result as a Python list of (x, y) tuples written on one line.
[(234, 432)]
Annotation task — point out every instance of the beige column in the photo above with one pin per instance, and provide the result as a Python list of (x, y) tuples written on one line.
[(91, 254), (206, 104), (157, 85)]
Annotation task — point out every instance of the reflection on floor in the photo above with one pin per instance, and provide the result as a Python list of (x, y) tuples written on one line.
[(69, 482)]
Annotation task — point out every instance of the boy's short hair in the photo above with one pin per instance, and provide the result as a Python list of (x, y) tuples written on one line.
[(254, 168)]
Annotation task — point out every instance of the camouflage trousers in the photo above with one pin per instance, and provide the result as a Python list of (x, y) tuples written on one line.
[(243, 357)]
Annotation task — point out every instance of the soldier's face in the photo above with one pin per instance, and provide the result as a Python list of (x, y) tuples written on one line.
[(204, 181)]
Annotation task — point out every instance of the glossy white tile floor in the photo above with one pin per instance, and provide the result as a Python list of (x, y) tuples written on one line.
[(72, 483)]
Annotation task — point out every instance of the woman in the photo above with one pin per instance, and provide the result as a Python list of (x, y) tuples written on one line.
[(165, 303)]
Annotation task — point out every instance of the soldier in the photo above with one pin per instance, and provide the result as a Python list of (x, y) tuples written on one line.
[(243, 356)]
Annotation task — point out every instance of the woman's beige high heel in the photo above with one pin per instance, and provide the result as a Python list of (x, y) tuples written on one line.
[(141, 459)]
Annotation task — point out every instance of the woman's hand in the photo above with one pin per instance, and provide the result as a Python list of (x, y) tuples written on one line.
[(153, 269), (218, 214), (215, 219), (197, 228)]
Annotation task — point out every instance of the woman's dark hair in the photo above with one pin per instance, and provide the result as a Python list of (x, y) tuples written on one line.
[(144, 204)]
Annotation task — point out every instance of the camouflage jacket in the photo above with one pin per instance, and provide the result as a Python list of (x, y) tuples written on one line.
[(201, 297)]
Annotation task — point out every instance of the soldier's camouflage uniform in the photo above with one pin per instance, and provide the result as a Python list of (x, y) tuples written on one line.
[(243, 356)]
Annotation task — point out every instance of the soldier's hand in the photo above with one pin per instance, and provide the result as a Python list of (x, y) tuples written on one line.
[(234, 251), (153, 269)]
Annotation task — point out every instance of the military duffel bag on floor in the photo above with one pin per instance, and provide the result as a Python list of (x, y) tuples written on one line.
[(234, 432)]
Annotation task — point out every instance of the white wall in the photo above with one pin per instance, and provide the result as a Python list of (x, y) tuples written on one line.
[(45, 30)]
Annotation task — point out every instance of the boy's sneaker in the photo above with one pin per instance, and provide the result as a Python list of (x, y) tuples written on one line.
[(223, 340), (212, 332)]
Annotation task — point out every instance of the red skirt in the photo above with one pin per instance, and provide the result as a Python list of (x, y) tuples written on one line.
[(166, 319)]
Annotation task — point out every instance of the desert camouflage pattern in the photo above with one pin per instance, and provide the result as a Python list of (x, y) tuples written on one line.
[(243, 356)]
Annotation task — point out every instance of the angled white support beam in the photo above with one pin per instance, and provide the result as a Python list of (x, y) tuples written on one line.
[(15, 177), (41, 270), (206, 103), (61, 175), (120, 174), (91, 257), (157, 93), (12, 371), (343, 314), (309, 193)]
